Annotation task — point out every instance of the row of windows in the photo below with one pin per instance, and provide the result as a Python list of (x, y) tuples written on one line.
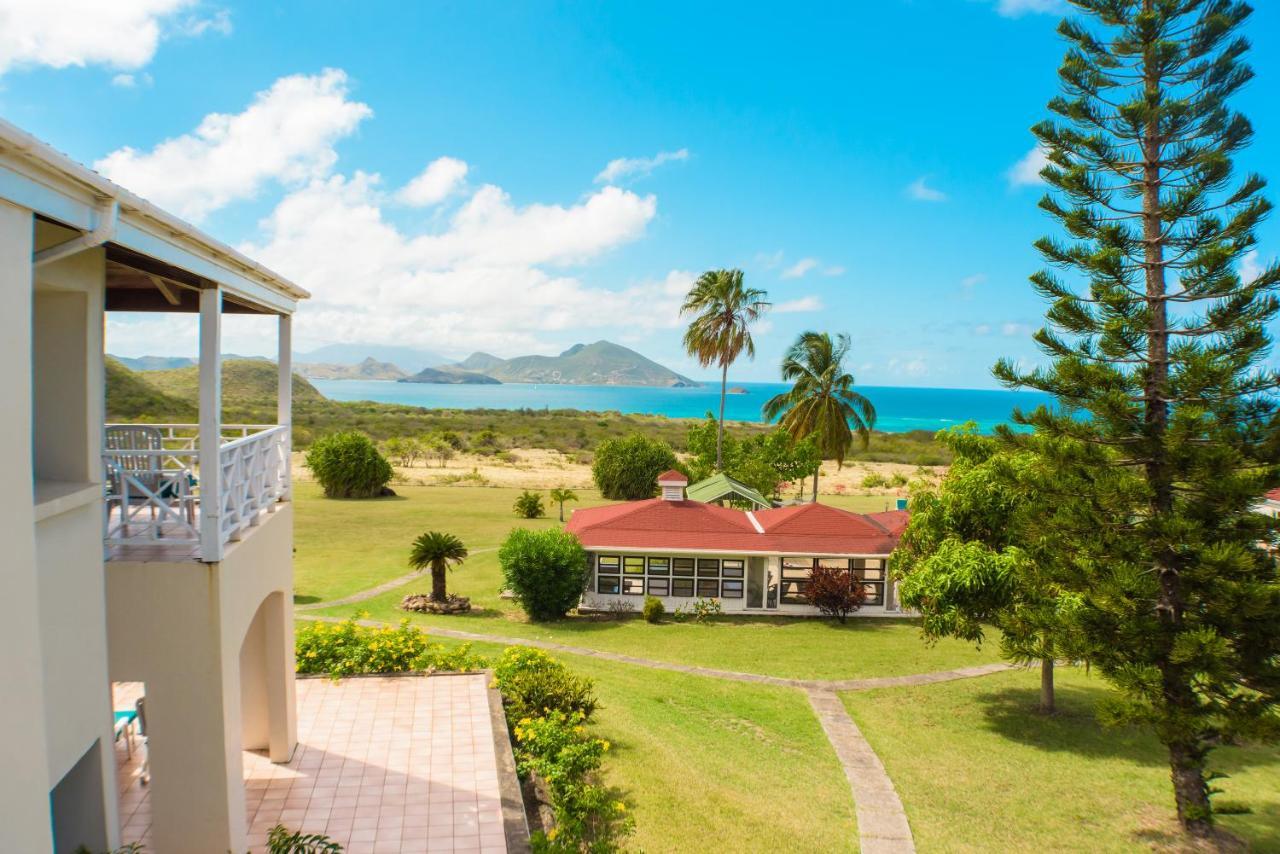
[(795, 576), (634, 575)]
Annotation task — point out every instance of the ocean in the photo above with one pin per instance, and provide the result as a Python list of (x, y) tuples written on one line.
[(898, 409)]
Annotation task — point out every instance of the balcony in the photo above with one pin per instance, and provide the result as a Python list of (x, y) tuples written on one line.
[(158, 505)]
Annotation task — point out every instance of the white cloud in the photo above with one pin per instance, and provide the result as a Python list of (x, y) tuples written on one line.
[(908, 366), (834, 270), (1013, 330), (810, 303), (124, 81), (1018, 8), (982, 329), (1252, 266), (437, 182), (920, 190), (1026, 172), (286, 135), (769, 260), (969, 282), (121, 34), (625, 167), (799, 268)]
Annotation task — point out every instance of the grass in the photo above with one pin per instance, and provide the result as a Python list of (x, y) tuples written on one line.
[(979, 770)]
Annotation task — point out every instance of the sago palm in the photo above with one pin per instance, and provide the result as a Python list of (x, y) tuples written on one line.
[(560, 495), (723, 310), (439, 552), (821, 402)]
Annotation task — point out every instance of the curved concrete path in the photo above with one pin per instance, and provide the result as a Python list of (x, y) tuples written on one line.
[(882, 822)]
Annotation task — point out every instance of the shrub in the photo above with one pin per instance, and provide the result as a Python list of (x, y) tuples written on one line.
[(546, 571), (834, 592), (700, 609), (619, 608), (627, 469), (347, 648), (899, 479), (653, 609), (529, 506), (281, 841), (874, 481), (533, 683), (348, 466)]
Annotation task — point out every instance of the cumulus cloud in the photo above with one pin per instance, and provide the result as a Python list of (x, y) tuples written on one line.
[(437, 182), (810, 303), (1026, 172), (120, 34), (637, 167), (1252, 266), (920, 190), (286, 136), (1018, 8)]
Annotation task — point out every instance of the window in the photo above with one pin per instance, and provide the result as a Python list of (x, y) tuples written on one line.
[(659, 566), (709, 587), (731, 588), (633, 565), (731, 568), (795, 580), (870, 571), (608, 579), (632, 585), (833, 563), (708, 568), (659, 586), (682, 587), (682, 566)]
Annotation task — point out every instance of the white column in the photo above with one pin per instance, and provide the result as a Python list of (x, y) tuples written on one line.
[(210, 445), (284, 396)]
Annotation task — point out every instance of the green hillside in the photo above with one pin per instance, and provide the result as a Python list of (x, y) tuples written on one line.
[(130, 397), (248, 392), (601, 363)]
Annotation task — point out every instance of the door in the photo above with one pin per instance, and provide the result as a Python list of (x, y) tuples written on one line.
[(762, 586)]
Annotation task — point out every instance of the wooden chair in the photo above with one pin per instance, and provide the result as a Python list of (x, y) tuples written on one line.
[(145, 469)]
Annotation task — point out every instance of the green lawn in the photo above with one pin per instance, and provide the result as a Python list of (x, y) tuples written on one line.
[(347, 546), (979, 770)]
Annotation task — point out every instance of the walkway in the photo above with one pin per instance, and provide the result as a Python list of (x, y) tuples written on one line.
[(382, 764), (882, 822)]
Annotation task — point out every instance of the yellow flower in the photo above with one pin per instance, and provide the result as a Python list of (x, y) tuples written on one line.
[(525, 721), (552, 833), (604, 745), (621, 806)]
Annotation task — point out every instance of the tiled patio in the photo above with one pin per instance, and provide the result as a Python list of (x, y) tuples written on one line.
[(383, 764)]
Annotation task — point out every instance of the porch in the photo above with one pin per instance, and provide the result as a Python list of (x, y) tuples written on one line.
[(382, 764)]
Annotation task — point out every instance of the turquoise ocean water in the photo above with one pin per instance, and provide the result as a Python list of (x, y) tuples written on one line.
[(898, 409)]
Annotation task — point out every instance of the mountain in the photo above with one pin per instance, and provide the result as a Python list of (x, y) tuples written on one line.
[(244, 381), (248, 393), (169, 363), (369, 369), (131, 398), (450, 376), (410, 359), (601, 363)]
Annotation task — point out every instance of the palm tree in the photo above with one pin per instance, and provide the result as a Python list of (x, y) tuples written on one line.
[(560, 495), (723, 312), (821, 402), (438, 551)]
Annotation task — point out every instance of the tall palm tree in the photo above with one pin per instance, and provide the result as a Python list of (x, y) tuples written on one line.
[(723, 311), (821, 402), (438, 551), (560, 495)]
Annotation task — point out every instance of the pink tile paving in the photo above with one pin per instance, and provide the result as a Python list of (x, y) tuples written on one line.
[(403, 764)]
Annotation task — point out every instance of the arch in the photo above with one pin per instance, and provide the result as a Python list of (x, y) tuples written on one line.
[(267, 720)]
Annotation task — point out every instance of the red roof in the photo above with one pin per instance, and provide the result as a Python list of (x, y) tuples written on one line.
[(893, 520), (1273, 494), (672, 476), (694, 526)]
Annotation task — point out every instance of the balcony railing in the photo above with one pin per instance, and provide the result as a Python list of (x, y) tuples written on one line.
[(154, 491)]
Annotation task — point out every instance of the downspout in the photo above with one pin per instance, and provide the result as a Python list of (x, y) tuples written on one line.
[(108, 216)]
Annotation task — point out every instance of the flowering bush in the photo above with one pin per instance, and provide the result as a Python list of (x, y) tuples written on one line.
[(700, 609), (347, 648), (533, 683)]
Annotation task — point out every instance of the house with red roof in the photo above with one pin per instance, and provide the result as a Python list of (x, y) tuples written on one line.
[(756, 561)]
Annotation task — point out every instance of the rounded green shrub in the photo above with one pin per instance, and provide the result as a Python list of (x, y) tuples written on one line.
[(546, 571), (653, 610), (533, 683), (627, 469), (529, 505), (348, 465)]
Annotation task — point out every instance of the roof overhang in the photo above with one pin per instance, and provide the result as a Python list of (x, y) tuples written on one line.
[(33, 175)]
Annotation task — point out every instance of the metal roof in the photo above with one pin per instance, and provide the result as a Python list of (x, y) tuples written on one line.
[(720, 486)]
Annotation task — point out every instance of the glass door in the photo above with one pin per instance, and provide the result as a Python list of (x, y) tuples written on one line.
[(762, 586)]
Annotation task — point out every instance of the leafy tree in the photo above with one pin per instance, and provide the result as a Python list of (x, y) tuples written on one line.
[(834, 593), (560, 495), (761, 462), (348, 465), (1164, 433), (546, 571), (529, 505), (973, 555), (723, 310), (821, 403), (627, 469), (439, 552), (440, 448)]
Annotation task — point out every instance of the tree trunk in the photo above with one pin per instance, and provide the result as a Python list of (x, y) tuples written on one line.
[(724, 382), (438, 593), (1047, 704), (815, 481), (1190, 791), (562, 512)]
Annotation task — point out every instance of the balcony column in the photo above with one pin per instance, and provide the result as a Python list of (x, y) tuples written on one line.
[(210, 443), (284, 396)]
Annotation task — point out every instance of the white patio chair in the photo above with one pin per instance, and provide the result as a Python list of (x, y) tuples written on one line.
[(127, 472)]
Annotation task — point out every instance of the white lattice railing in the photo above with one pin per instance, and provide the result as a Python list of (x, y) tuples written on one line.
[(154, 494)]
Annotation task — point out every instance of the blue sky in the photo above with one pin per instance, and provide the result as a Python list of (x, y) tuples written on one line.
[(855, 159)]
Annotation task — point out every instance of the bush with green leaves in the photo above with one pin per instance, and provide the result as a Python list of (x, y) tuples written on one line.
[(533, 683), (627, 469), (280, 840), (700, 610), (348, 465), (546, 571), (653, 610), (347, 648), (529, 505)]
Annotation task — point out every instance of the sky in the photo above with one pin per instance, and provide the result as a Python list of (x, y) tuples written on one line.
[(516, 178)]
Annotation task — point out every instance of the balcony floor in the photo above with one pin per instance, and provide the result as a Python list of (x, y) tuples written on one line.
[(382, 764)]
